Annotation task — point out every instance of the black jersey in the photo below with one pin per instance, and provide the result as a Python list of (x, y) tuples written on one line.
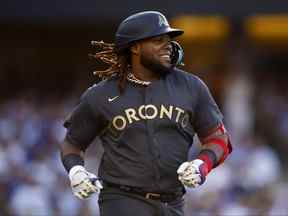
[(146, 132)]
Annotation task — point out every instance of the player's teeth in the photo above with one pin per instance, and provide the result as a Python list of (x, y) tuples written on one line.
[(165, 56)]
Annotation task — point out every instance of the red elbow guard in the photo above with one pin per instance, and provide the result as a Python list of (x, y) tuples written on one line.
[(226, 147), (216, 138)]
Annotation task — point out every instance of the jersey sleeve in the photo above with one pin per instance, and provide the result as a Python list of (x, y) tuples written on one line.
[(83, 124), (207, 114)]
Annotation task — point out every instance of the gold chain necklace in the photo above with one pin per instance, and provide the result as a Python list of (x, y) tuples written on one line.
[(131, 77)]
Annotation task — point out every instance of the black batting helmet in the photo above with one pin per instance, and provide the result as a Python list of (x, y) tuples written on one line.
[(143, 25)]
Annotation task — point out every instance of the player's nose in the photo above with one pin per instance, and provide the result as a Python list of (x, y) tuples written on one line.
[(168, 47)]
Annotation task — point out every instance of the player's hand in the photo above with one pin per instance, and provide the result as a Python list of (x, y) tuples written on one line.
[(83, 183), (192, 173)]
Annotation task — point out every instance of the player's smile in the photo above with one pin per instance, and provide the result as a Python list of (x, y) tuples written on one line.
[(163, 49), (166, 55)]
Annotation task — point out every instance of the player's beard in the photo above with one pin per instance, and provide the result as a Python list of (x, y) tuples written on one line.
[(153, 65)]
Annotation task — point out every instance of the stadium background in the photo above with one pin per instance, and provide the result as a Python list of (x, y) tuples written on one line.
[(239, 48)]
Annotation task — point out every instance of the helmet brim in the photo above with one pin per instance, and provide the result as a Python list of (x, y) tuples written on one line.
[(174, 32)]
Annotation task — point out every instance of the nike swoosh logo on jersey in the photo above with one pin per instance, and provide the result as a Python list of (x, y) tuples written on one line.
[(113, 98)]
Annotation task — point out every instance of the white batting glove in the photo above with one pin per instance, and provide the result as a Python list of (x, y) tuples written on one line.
[(192, 173), (83, 183)]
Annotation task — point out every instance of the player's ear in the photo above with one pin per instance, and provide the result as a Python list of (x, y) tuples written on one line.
[(135, 49)]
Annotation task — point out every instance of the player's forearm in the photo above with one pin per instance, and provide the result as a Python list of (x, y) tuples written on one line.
[(71, 155), (215, 148)]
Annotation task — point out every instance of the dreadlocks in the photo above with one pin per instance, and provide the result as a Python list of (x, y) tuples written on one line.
[(119, 62)]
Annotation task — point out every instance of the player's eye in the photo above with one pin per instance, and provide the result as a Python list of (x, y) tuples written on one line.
[(161, 39)]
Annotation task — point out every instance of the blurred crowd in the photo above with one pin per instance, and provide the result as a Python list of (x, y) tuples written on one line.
[(251, 182)]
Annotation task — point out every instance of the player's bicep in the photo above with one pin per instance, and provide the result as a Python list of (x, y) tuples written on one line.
[(82, 126), (207, 114)]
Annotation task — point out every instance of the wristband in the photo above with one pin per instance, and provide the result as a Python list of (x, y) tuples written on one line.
[(71, 160)]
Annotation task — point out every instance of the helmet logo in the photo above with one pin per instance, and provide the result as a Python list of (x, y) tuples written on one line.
[(162, 21)]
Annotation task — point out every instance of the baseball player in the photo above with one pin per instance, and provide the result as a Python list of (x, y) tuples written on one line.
[(146, 112)]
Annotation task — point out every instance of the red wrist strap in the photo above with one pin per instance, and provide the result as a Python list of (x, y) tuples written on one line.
[(208, 164)]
